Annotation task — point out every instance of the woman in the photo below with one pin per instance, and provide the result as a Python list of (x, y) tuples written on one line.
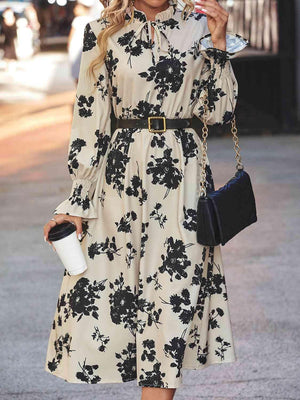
[(153, 301), (81, 11), (9, 29)]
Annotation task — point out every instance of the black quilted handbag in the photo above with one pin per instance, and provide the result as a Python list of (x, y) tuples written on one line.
[(223, 213)]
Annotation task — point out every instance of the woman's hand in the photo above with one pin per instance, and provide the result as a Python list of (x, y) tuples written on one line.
[(217, 18), (59, 219)]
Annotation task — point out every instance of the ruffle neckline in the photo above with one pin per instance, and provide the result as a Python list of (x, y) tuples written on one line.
[(161, 16)]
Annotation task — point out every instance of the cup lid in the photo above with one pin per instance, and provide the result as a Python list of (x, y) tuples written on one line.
[(59, 231)]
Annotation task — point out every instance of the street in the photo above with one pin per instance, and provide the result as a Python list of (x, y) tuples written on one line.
[(261, 263)]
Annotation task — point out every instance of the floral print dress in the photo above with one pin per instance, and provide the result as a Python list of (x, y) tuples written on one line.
[(153, 301)]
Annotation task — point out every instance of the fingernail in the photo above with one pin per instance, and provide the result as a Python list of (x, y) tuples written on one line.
[(79, 236), (45, 240), (201, 10)]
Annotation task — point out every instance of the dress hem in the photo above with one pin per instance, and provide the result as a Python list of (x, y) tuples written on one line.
[(191, 367)]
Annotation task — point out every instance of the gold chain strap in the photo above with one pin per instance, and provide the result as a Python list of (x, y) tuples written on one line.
[(238, 158)]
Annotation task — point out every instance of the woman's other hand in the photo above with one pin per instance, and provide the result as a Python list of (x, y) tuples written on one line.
[(217, 18), (59, 219)]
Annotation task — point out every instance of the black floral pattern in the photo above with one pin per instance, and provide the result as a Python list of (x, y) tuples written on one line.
[(142, 109), (202, 354), (136, 188), (149, 308), (156, 215), (195, 337), (85, 230), (89, 38), (127, 364), (158, 141), (61, 343), (108, 247), (102, 87), (167, 74), (213, 315), (131, 254), (170, 23), (101, 145), (117, 160), (111, 64), (100, 337), (124, 225), (164, 172), (78, 198), (75, 148), (80, 300), (175, 349), (102, 197), (223, 346), (154, 377), (144, 238), (152, 300), (114, 95), (154, 278), (176, 261), (189, 146), (138, 15), (84, 105), (190, 219), (87, 373), (133, 48), (219, 56), (182, 305), (123, 304), (213, 283)]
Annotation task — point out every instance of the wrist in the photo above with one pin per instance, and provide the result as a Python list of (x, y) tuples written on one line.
[(220, 44)]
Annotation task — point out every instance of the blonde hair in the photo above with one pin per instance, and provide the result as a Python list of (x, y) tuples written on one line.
[(114, 13)]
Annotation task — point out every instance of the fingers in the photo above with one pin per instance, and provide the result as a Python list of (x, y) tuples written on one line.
[(213, 9), (47, 228), (59, 219), (49, 225), (78, 223), (213, 12), (212, 3)]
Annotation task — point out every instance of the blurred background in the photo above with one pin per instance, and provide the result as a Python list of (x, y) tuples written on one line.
[(40, 47), (268, 70)]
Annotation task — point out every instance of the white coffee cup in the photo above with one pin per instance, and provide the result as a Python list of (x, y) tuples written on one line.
[(68, 247)]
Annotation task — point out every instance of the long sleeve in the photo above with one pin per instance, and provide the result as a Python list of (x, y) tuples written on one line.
[(90, 130), (217, 78)]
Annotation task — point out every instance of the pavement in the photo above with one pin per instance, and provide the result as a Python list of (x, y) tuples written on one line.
[(261, 263)]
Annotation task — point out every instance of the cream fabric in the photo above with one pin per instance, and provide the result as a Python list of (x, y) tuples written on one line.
[(153, 301)]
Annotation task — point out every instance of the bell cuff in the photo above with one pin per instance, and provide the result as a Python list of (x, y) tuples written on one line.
[(234, 44), (80, 202)]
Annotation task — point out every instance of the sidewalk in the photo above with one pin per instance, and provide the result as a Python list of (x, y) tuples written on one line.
[(261, 265), (40, 130)]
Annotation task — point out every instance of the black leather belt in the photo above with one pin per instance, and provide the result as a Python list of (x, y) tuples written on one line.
[(158, 123)]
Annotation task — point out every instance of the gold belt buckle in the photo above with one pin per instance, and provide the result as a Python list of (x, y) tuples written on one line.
[(156, 130)]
